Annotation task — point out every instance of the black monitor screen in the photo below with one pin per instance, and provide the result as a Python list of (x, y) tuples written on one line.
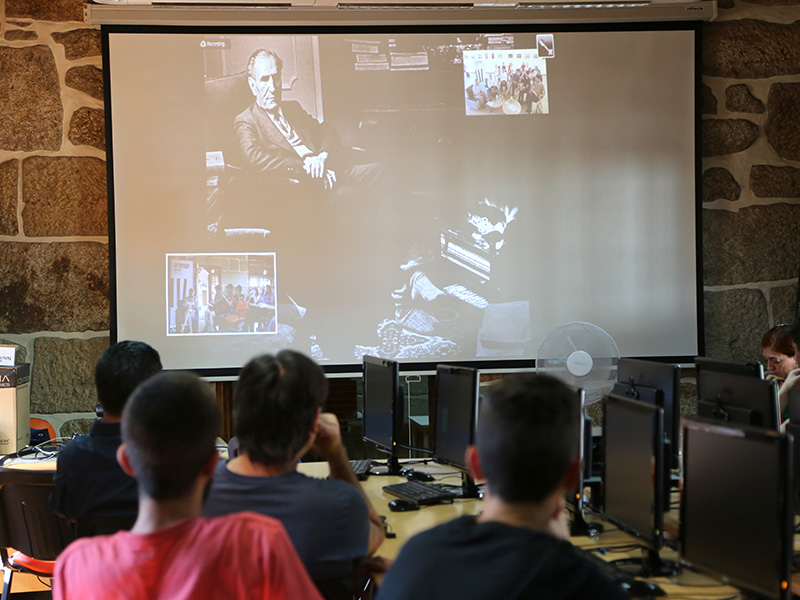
[(456, 413), (734, 367), (735, 512), (737, 399), (381, 381), (663, 377), (633, 434)]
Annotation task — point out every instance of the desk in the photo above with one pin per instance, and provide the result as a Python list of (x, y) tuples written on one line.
[(407, 524)]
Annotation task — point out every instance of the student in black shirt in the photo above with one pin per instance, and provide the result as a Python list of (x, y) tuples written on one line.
[(91, 488), (517, 547)]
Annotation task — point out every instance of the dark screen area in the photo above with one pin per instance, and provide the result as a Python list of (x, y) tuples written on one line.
[(663, 377), (381, 380), (633, 434), (457, 400), (737, 399), (732, 513)]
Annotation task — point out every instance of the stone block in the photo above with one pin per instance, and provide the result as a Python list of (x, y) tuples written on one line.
[(753, 244), (783, 301), (709, 101), (87, 127), (750, 49), (76, 427), (767, 181), (8, 197), (62, 380), (727, 136), (48, 10), (719, 184), (15, 35), (53, 287), (22, 351), (734, 321), (30, 91), (88, 79), (79, 43), (64, 195), (738, 98), (782, 126), (688, 395)]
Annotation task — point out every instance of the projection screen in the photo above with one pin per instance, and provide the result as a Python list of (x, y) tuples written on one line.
[(434, 194)]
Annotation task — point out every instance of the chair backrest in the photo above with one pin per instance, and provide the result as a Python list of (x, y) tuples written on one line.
[(37, 423), (27, 521)]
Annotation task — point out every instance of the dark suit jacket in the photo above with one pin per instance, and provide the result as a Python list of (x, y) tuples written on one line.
[(265, 149)]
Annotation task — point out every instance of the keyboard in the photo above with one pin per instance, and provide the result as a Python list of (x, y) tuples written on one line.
[(361, 467), (626, 580), (421, 493)]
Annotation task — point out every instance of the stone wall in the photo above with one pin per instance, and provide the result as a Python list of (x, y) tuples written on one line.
[(751, 172), (54, 278)]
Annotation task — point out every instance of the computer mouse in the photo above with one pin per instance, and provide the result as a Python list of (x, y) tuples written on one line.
[(420, 476), (401, 505), (643, 589)]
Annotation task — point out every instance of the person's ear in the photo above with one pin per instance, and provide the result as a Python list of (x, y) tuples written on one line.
[(473, 461), (211, 464), (252, 83), (124, 462), (315, 424), (572, 475)]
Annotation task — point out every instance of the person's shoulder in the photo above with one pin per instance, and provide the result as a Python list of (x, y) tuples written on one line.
[(248, 115)]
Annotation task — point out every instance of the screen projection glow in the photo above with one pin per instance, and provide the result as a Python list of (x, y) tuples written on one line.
[(423, 196)]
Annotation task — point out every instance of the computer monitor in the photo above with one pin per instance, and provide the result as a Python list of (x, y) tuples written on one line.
[(579, 526), (659, 383), (633, 478), (793, 427), (736, 511), (456, 419), (745, 368), (738, 399), (383, 407)]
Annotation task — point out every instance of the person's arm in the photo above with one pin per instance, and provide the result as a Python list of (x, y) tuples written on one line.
[(790, 382), (261, 154), (329, 446)]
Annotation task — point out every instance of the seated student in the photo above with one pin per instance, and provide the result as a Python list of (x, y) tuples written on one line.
[(525, 451), (278, 419), (171, 552), (91, 488), (793, 376)]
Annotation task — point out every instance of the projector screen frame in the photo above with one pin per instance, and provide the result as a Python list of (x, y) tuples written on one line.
[(436, 25)]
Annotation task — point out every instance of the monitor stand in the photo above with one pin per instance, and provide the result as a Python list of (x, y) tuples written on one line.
[(580, 527), (468, 487), (392, 467), (649, 565)]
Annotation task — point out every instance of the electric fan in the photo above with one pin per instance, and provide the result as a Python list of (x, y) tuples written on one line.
[(581, 355)]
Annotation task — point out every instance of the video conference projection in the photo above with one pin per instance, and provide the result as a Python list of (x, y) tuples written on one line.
[(425, 195)]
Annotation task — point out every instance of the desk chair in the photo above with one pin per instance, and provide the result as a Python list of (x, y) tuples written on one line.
[(29, 524), (42, 424)]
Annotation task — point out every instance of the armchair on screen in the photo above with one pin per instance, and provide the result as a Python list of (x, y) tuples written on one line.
[(29, 524)]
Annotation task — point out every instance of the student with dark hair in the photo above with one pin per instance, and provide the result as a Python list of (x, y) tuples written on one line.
[(525, 450), (171, 552), (278, 418), (90, 486)]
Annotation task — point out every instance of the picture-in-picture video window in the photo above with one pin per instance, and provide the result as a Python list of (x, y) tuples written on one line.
[(416, 196)]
